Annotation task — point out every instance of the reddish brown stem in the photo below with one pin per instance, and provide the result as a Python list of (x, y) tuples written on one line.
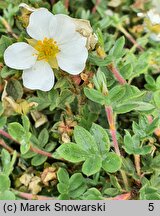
[(137, 160), (4, 145), (76, 79), (41, 152), (66, 4), (5, 134), (29, 196), (96, 5), (125, 196), (110, 117), (130, 37), (33, 149), (112, 128), (116, 74)]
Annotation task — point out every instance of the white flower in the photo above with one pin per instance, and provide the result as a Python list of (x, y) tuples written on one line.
[(153, 16), (152, 23), (55, 43)]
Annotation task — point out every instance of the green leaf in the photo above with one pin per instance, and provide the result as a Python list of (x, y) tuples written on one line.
[(63, 188), (62, 83), (63, 176), (133, 145), (156, 97), (66, 97), (5, 42), (77, 185), (26, 122), (1, 109), (78, 192), (3, 120), (53, 97), (93, 194), (118, 49), (115, 183), (6, 162), (59, 8), (132, 93), (43, 137), (100, 82), (126, 71), (72, 152), (101, 138), (95, 96), (7, 195), (85, 140), (6, 71), (139, 106), (3, 5), (38, 160), (16, 131), (124, 108), (150, 80), (143, 106), (63, 197), (25, 147), (155, 162), (151, 127), (4, 182), (130, 146), (112, 163), (76, 181), (116, 93), (111, 192), (92, 165), (94, 60), (42, 100), (14, 89)]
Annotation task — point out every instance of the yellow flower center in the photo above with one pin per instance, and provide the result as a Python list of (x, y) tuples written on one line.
[(153, 28), (47, 50)]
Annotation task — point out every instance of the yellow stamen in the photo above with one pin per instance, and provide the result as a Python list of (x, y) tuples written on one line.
[(153, 28), (47, 50)]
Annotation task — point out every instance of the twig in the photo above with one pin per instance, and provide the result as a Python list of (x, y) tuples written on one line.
[(137, 161), (125, 196), (96, 5), (41, 152), (112, 128), (8, 27), (29, 196), (116, 74), (4, 145), (5, 134), (130, 37), (66, 4), (110, 117), (33, 149)]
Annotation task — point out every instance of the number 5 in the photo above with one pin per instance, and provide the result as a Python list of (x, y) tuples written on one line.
[(151, 206)]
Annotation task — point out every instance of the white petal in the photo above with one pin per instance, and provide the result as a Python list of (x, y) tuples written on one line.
[(154, 16), (73, 55), (40, 76), (20, 56), (63, 29), (39, 24), (155, 37)]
